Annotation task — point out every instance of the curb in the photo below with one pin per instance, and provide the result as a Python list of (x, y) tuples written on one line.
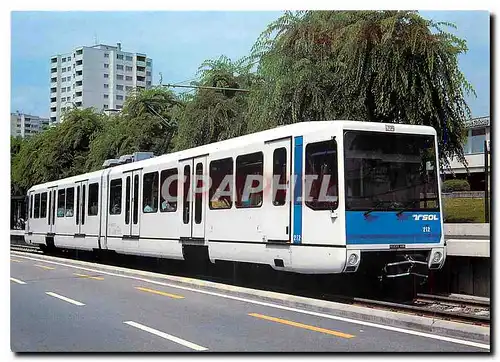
[(388, 318)]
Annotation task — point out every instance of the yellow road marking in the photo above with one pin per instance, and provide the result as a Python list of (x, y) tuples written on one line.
[(300, 325), (175, 296), (44, 267), (88, 276), (16, 261)]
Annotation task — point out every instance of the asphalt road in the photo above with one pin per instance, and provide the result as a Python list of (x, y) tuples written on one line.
[(66, 309)]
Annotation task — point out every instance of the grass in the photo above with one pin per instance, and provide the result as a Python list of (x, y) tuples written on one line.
[(464, 210)]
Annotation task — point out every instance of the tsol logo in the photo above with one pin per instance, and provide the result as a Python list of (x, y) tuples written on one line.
[(423, 217)]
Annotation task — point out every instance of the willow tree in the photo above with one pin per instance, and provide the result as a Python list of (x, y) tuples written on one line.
[(379, 66), (58, 152), (212, 115), (146, 123)]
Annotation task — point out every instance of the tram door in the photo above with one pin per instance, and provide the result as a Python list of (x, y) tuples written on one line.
[(133, 181), (193, 177), (278, 205)]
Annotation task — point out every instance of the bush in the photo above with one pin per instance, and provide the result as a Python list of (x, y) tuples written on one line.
[(456, 185)]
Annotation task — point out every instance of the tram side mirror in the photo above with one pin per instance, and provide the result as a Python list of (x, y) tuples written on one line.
[(334, 214)]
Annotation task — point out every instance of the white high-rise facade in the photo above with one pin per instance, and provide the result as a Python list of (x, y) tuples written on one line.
[(99, 76), (26, 125)]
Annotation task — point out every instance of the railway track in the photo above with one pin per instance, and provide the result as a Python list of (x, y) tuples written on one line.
[(462, 309)]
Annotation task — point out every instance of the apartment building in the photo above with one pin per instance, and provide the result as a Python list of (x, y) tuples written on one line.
[(98, 76), (26, 125), (478, 131)]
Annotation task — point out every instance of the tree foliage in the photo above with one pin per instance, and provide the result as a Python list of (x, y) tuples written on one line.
[(147, 123), (57, 152), (379, 66), (214, 115)]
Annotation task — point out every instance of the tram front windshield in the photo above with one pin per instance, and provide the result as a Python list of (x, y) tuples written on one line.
[(390, 171)]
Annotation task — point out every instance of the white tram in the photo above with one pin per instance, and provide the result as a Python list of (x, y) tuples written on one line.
[(380, 181)]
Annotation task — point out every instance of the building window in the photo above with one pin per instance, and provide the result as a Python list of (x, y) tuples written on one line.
[(128, 77), (119, 106), (128, 88), (79, 52), (78, 94), (148, 82), (106, 55), (221, 174), (128, 68), (148, 63), (63, 90), (63, 60), (63, 79), (69, 89), (106, 75), (106, 86), (106, 96), (119, 97), (53, 70), (119, 76), (63, 99), (119, 87), (79, 62), (106, 65), (115, 197), (148, 74), (54, 60), (476, 141), (119, 67), (128, 57), (150, 192), (119, 56), (53, 80), (79, 72)]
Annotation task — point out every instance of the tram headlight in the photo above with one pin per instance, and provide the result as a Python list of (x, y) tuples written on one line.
[(353, 259), (437, 257)]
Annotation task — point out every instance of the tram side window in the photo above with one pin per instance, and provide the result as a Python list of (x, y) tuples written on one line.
[(150, 192), (61, 203), (221, 174), (321, 181), (43, 206), (93, 199), (249, 178), (168, 190), (31, 207), (70, 201), (279, 176), (37, 206), (115, 197)]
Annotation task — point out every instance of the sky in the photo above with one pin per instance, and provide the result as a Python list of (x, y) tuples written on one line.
[(179, 41)]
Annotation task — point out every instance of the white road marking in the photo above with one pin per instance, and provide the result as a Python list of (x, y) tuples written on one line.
[(69, 300), (344, 319), (17, 281), (166, 336)]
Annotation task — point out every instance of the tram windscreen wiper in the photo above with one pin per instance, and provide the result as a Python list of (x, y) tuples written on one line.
[(374, 208)]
